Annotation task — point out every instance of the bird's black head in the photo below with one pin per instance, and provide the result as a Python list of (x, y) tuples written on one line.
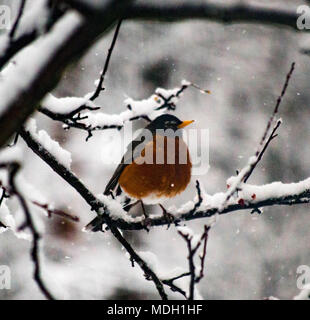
[(168, 121)]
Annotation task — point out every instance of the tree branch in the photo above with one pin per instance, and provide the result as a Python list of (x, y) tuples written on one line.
[(223, 13), (35, 256), (204, 211), (173, 287), (54, 57), (106, 64), (93, 202), (84, 32), (84, 121), (245, 173), (16, 43), (192, 249)]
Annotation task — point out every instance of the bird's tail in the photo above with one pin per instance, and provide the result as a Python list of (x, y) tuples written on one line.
[(95, 225)]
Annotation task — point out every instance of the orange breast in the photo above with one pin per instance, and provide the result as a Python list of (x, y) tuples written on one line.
[(167, 175)]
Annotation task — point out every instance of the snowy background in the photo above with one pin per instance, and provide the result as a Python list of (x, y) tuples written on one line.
[(248, 256)]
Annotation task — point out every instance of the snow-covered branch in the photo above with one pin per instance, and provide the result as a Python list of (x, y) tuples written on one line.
[(27, 27), (251, 197), (50, 55), (69, 110)]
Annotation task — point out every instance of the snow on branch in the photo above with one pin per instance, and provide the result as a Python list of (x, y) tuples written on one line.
[(27, 190), (25, 85), (69, 110), (62, 155)]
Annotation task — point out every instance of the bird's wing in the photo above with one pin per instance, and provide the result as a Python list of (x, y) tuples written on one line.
[(131, 154)]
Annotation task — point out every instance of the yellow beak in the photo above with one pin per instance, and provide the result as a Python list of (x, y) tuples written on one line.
[(185, 123)]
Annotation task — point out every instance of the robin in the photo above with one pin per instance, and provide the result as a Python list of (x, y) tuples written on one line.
[(155, 167)]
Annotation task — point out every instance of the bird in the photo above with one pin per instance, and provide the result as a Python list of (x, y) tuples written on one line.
[(155, 167)]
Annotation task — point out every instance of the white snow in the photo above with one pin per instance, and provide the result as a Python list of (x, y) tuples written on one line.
[(186, 231), (185, 83), (116, 210), (11, 154), (8, 220), (273, 190), (151, 260), (64, 105), (62, 155), (5, 217), (102, 119), (145, 107), (253, 194)]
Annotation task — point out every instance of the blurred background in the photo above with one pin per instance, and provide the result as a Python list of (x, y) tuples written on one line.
[(244, 65)]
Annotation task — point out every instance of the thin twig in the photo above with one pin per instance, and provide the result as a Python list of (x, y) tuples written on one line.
[(73, 119), (203, 256), (279, 100), (56, 212), (271, 137), (35, 255), (173, 287), (4, 195), (107, 61), (244, 173), (199, 201), (191, 254)]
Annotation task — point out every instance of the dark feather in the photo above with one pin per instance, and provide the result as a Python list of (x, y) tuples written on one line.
[(128, 157)]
